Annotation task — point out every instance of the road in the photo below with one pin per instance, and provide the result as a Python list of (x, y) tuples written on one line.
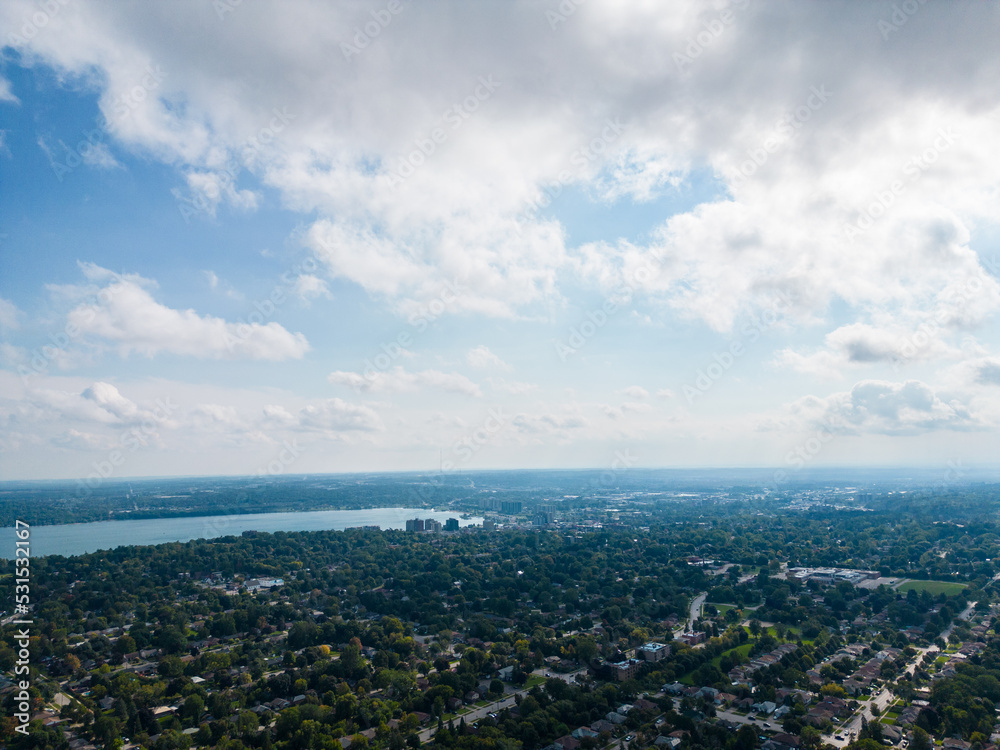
[(871, 710), (965, 615), (737, 718), (506, 702), (696, 605), (877, 705)]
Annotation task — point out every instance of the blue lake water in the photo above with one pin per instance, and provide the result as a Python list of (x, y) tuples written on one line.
[(80, 538)]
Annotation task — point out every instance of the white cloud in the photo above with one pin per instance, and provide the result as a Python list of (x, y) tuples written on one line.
[(636, 391), (629, 407), (271, 107), (209, 189), (399, 380), (882, 407), (89, 152), (307, 287), (467, 210), (6, 92), (126, 315), (988, 371), (512, 387), (337, 415), (99, 155), (564, 425), (482, 358), (10, 315)]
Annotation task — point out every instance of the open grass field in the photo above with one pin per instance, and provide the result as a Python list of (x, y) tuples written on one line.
[(932, 587), (742, 649)]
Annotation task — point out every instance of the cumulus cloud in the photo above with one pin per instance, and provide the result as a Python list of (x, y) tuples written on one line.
[(6, 92), (206, 190), (512, 387), (468, 208), (988, 371), (10, 315), (560, 425), (846, 203), (629, 407), (890, 408), (126, 315), (327, 416), (337, 415), (92, 153), (482, 358), (308, 286), (400, 380), (636, 391)]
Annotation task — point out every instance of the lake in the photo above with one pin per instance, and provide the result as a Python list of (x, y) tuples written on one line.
[(80, 538)]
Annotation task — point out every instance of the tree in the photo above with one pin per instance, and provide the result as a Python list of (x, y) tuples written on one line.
[(193, 707), (755, 628), (919, 739), (870, 730), (586, 649), (811, 738), (746, 738)]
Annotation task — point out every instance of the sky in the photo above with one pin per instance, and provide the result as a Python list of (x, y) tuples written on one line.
[(275, 238)]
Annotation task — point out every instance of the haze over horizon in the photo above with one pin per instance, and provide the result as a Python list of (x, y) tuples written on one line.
[(388, 236)]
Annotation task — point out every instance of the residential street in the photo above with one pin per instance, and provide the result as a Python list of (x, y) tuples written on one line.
[(877, 705), (506, 702)]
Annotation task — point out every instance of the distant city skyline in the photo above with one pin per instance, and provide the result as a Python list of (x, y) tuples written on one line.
[(278, 239)]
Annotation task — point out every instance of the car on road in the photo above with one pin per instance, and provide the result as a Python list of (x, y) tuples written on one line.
[(766, 725), (839, 737), (628, 737)]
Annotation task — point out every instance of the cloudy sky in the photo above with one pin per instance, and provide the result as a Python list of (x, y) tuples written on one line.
[(308, 237)]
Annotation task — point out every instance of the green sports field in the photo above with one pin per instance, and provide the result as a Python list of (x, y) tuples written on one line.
[(932, 587)]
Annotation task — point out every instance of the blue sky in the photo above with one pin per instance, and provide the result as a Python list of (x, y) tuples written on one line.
[(695, 238)]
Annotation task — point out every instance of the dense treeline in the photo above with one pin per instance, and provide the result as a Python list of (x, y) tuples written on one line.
[(368, 631)]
